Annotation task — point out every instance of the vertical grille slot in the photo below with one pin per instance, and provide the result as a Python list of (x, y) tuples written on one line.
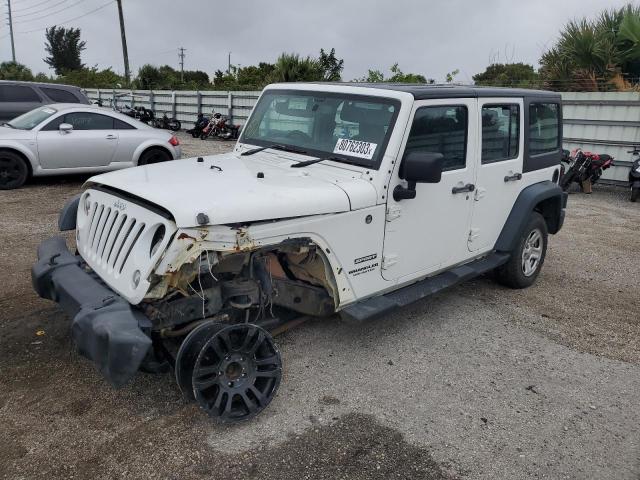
[(134, 239), (104, 219), (107, 235), (97, 211), (122, 239), (114, 240)]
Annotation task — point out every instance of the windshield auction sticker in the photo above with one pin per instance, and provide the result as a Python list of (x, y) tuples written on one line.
[(355, 148)]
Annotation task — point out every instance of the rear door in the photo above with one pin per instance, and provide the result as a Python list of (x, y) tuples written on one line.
[(16, 100), (92, 142), (499, 173)]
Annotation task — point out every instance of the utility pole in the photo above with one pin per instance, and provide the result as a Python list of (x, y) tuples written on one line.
[(13, 48), (181, 55), (125, 54), (229, 65)]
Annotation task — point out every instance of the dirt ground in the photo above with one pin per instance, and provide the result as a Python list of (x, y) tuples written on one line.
[(477, 382)]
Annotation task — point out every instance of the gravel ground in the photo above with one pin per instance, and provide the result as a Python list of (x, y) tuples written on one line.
[(476, 382)]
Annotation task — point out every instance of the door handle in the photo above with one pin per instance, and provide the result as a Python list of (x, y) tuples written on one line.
[(111, 137), (469, 187), (513, 178)]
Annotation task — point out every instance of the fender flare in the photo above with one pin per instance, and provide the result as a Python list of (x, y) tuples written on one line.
[(545, 197)]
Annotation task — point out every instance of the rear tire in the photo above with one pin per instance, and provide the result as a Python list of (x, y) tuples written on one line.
[(153, 155), (174, 125), (635, 194), (14, 171), (527, 258)]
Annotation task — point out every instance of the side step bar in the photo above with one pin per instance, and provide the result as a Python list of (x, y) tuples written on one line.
[(377, 306)]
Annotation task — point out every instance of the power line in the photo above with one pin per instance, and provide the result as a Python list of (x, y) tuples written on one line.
[(40, 10), (71, 19), (51, 13), (32, 6)]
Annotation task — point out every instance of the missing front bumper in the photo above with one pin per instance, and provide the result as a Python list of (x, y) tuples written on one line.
[(105, 327)]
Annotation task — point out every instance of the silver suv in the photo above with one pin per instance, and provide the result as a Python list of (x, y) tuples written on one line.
[(17, 98)]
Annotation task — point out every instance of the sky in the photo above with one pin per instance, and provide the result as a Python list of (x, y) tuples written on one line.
[(430, 37)]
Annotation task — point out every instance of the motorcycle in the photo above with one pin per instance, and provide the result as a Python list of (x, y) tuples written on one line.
[(634, 174), (584, 168), (166, 123), (219, 126), (199, 126)]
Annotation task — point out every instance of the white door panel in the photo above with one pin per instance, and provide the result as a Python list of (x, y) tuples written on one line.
[(78, 148), (499, 174), (430, 232)]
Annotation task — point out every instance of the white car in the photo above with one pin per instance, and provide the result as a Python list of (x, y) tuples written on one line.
[(71, 138), (338, 198)]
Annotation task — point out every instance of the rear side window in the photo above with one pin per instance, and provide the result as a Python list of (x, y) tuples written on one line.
[(544, 128), (89, 121), (120, 125), (500, 132), (59, 95), (18, 93), (441, 130)]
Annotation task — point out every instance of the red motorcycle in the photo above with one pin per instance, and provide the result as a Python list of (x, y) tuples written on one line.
[(220, 127), (583, 166)]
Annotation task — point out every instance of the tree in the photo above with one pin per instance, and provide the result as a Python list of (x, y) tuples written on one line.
[(15, 71), (64, 48), (508, 75), (148, 78), (330, 65), (290, 67), (398, 76), (598, 54), (451, 76), (93, 78)]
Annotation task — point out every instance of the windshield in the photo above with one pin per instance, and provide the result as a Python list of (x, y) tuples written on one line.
[(353, 128), (33, 118)]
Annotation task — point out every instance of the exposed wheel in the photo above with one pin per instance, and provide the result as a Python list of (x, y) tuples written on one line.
[(204, 135), (153, 155), (188, 353), (13, 171), (237, 373), (527, 259), (635, 194), (174, 125)]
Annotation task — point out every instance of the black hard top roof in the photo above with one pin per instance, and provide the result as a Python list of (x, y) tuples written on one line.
[(423, 92)]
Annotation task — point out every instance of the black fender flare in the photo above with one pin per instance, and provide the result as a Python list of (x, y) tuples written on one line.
[(545, 197), (68, 214)]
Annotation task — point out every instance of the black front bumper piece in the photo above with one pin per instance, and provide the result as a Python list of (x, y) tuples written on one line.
[(105, 327)]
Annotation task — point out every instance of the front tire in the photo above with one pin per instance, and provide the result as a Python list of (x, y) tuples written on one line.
[(523, 268), (13, 171), (153, 155), (174, 125)]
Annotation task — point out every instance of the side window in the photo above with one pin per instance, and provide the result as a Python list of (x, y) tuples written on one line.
[(500, 132), (53, 124), (89, 121), (441, 130), (60, 96), (18, 93), (544, 128), (120, 125)]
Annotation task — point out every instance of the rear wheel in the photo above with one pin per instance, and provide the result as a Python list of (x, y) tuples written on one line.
[(13, 171), (174, 125), (527, 259), (635, 194), (153, 155)]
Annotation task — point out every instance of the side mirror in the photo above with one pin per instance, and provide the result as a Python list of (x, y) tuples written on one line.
[(418, 167), (65, 128)]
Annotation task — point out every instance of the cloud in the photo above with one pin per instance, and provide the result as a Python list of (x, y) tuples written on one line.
[(431, 37)]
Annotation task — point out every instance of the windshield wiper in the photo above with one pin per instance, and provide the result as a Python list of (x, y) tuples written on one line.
[(284, 148), (317, 160), (7, 124)]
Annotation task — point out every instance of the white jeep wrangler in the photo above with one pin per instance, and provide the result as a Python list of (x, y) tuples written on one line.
[(348, 198)]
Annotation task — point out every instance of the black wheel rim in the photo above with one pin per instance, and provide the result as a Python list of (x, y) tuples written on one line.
[(188, 353), (237, 373), (12, 172)]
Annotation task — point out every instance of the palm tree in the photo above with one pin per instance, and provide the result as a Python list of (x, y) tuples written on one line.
[(290, 67)]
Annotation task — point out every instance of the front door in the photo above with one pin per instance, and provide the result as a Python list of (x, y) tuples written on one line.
[(430, 232), (91, 143), (499, 177)]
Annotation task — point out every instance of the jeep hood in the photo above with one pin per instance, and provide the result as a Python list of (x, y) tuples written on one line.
[(227, 188)]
